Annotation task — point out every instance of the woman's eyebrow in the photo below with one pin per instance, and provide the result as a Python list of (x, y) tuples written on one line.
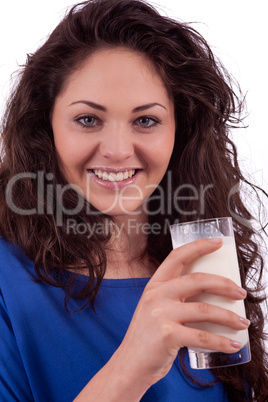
[(148, 106), (91, 104), (104, 109)]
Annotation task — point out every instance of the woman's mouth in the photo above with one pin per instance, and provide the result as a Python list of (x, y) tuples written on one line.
[(114, 176)]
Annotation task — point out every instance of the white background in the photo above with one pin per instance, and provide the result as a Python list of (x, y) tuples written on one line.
[(236, 30)]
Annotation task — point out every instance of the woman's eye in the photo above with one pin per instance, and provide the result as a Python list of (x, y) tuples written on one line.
[(87, 121), (147, 122)]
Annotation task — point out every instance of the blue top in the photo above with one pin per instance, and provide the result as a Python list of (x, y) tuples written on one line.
[(47, 354)]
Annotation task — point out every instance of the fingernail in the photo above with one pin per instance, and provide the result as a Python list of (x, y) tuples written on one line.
[(215, 240), (242, 292), (244, 321), (236, 345)]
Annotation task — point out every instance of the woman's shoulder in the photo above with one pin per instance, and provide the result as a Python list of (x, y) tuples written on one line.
[(13, 261), (6, 246), (9, 250)]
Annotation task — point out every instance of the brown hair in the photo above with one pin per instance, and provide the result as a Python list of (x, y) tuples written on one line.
[(206, 108)]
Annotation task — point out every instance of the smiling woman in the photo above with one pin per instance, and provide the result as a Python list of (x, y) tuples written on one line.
[(119, 125), (105, 145)]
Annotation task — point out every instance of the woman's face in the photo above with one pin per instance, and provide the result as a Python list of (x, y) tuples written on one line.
[(114, 130)]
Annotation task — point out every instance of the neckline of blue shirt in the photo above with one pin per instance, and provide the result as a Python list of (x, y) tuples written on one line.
[(113, 283)]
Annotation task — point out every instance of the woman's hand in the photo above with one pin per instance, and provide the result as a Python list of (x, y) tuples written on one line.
[(157, 331)]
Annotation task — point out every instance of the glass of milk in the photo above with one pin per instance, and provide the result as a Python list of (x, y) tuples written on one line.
[(221, 262)]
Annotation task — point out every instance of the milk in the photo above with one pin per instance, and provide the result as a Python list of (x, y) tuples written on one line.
[(221, 262)]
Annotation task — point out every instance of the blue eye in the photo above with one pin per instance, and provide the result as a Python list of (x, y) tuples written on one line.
[(87, 121), (147, 122)]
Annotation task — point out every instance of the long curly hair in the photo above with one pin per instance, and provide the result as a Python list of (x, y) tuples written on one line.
[(204, 159)]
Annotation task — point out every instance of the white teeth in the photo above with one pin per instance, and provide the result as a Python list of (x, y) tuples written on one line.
[(112, 176), (104, 176), (120, 176)]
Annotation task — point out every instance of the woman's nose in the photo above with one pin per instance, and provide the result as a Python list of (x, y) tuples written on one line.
[(117, 144)]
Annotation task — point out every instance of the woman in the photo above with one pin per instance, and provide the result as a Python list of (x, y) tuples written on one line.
[(117, 128)]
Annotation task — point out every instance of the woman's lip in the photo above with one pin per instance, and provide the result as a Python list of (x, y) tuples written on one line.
[(114, 184)]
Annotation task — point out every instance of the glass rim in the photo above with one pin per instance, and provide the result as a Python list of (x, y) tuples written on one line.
[(201, 221)]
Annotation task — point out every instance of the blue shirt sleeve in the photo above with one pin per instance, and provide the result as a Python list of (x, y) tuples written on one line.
[(14, 385)]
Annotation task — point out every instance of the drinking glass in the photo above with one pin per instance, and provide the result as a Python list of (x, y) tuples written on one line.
[(221, 262)]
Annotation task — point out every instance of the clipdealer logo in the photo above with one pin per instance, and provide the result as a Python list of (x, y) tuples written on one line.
[(50, 199)]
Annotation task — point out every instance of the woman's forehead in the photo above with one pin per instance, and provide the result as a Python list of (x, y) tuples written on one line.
[(116, 72)]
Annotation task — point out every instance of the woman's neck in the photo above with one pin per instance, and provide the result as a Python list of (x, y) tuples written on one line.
[(126, 251)]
